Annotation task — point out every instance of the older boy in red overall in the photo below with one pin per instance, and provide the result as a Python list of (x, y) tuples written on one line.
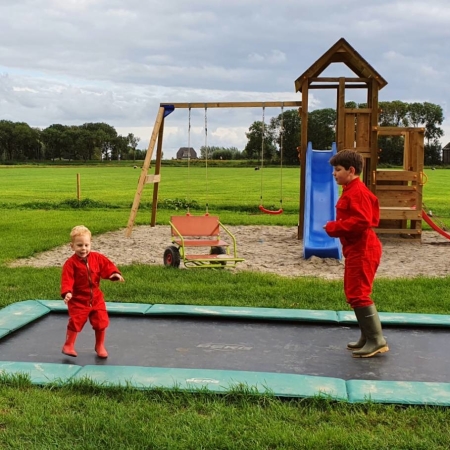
[(357, 211), (80, 289)]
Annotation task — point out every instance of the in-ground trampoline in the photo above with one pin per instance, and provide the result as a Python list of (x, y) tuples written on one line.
[(287, 352)]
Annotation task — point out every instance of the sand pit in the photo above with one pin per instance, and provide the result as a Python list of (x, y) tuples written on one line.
[(271, 249)]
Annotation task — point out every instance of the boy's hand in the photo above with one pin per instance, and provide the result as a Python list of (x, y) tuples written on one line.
[(67, 298), (116, 277)]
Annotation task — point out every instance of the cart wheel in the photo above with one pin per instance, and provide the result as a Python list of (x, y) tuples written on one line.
[(218, 251), (172, 257)]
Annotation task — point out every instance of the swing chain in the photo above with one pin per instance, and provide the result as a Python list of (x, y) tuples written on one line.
[(281, 154), (262, 150)]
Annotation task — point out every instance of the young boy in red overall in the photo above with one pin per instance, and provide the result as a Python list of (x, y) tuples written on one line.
[(80, 289), (357, 211)]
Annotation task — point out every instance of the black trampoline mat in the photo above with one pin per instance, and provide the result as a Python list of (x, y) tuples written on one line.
[(416, 354)]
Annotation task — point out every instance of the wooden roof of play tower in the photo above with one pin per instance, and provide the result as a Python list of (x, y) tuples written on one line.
[(340, 52)]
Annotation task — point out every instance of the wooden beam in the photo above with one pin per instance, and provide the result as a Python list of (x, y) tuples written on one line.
[(396, 175), (335, 86), (396, 131), (157, 176), (233, 104), (336, 80), (143, 176), (398, 213), (302, 157), (397, 231), (341, 116), (372, 102), (358, 110), (387, 187), (152, 179)]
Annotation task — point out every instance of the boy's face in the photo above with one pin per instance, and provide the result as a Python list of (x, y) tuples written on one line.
[(81, 245), (342, 175)]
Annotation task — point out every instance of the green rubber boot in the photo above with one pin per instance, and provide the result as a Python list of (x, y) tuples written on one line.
[(370, 325), (358, 344)]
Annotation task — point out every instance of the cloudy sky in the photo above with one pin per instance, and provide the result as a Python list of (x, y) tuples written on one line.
[(78, 61)]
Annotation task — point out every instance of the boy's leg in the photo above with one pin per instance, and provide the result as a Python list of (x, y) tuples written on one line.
[(369, 322), (100, 343), (78, 316), (357, 291), (69, 345), (358, 280), (100, 321)]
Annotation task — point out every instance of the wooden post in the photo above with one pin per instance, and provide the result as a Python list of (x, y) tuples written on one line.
[(373, 99), (143, 176), (303, 147), (78, 188), (341, 116), (157, 172)]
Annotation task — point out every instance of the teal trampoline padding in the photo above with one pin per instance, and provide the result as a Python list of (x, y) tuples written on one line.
[(303, 315), (410, 319), (19, 314), (4, 332), (112, 307), (40, 373), (220, 381), (54, 305), (400, 392), (127, 308)]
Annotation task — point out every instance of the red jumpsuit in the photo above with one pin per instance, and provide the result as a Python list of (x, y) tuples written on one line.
[(357, 211), (82, 278)]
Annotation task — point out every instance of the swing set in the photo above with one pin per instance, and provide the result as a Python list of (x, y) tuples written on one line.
[(193, 232)]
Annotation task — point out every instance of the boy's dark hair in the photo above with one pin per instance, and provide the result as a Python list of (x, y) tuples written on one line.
[(347, 159)]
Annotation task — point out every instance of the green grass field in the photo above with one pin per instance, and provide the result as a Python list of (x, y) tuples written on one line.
[(37, 213)]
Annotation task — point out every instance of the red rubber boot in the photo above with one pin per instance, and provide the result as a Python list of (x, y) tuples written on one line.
[(99, 344), (68, 348)]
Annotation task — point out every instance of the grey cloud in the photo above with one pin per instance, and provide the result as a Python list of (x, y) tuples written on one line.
[(74, 61)]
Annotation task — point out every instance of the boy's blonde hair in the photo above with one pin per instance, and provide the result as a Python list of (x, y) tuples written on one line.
[(79, 230)]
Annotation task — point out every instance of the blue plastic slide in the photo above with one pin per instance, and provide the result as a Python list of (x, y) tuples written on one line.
[(321, 194)]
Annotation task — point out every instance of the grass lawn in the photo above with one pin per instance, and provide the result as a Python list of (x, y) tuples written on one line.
[(84, 416)]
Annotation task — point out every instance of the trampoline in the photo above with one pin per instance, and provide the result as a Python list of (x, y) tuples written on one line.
[(290, 353)]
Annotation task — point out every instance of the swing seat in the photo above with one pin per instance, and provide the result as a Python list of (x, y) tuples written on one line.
[(196, 232), (270, 211)]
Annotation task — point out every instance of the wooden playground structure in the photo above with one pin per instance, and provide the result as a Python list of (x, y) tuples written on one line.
[(399, 191)]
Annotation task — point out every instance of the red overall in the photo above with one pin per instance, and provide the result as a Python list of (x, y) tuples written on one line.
[(357, 211), (81, 277)]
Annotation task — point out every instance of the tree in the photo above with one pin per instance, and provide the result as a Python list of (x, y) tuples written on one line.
[(253, 149), (53, 138), (119, 147), (322, 128), (133, 142), (392, 114), (289, 136), (6, 140)]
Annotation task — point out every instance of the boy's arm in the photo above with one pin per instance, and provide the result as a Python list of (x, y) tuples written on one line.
[(116, 277), (67, 279), (109, 270), (359, 218)]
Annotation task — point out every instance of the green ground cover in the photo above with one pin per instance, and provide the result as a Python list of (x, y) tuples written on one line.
[(86, 416)]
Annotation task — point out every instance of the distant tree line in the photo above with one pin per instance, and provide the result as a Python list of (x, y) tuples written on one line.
[(90, 141), (268, 142)]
